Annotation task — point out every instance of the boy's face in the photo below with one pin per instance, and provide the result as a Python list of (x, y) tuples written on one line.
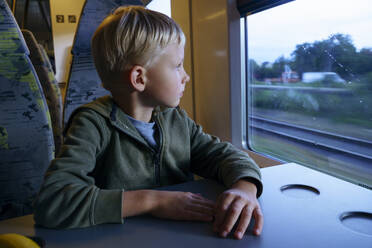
[(166, 78)]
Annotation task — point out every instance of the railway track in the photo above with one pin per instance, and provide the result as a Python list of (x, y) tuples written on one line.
[(358, 148)]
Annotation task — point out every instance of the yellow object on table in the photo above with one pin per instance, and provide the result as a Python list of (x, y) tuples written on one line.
[(13, 240)]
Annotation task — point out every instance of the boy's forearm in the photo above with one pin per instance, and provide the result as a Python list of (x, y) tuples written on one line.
[(138, 202)]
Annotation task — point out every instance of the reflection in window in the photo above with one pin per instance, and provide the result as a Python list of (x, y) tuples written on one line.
[(310, 85)]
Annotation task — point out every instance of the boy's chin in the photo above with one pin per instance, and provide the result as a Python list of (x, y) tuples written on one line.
[(172, 105)]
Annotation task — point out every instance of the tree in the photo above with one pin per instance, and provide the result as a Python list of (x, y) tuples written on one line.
[(264, 71), (363, 63), (253, 68), (303, 58), (337, 53)]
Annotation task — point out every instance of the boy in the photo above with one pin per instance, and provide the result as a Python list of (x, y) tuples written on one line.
[(119, 148)]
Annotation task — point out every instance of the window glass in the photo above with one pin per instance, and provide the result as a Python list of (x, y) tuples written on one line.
[(162, 6), (310, 85)]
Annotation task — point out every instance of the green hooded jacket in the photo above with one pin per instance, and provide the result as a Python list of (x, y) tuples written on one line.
[(103, 154)]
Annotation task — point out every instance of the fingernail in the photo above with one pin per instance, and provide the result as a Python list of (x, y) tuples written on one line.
[(224, 234), (240, 235)]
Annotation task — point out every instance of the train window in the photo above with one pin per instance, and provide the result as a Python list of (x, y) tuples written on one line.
[(162, 6), (309, 85)]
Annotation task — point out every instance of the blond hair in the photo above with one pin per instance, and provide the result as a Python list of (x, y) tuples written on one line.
[(132, 35)]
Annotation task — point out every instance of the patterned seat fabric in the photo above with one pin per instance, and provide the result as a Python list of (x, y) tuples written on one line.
[(52, 78), (26, 139), (49, 84), (84, 84)]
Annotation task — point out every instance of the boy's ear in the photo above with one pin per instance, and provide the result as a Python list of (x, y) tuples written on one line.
[(137, 77)]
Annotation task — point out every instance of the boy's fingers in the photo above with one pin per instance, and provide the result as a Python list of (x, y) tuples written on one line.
[(198, 195), (231, 217), (222, 207), (259, 221), (201, 208), (203, 200), (197, 216), (245, 219), (208, 203)]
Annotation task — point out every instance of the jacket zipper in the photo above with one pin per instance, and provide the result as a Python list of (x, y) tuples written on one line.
[(160, 150), (157, 155)]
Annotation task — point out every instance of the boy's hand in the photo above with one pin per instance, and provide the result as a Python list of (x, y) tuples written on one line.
[(183, 206), (239, 201)]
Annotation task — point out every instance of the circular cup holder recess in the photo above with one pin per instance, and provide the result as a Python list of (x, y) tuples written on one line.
[(360, 222), (299, 191)]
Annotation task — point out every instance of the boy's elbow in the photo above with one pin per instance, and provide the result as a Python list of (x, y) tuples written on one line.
[(50, 213), (47, 219), (44, 215)]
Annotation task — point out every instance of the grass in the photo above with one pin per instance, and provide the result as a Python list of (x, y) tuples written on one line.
[(355, 108)]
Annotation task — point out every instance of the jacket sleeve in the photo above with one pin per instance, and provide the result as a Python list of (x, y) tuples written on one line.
[(68, 197), (211, 158)]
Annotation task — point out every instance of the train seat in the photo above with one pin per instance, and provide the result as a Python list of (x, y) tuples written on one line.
[(52, 78), (49, 85), (26, 138), (84, 85)]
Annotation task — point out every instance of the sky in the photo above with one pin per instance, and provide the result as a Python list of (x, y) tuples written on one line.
[(277, 31)]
